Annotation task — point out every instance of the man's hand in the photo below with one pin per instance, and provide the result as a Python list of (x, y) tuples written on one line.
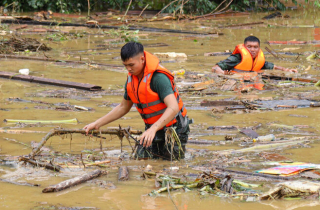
[(285, 69), (216, 69), (91, 126), (147, 137), (292, 70)]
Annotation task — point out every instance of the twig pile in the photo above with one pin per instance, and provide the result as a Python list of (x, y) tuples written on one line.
[(16, 44)]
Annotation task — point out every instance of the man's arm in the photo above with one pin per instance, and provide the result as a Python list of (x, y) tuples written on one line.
[(285, 69), (171, 111), (118, 112)]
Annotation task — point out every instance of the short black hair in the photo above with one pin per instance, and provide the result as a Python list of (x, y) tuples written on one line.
[(130, 50), (252, 39)]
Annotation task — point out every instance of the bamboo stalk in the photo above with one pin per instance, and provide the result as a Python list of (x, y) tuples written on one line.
[(71, 121), (74, 181), (111, 131)]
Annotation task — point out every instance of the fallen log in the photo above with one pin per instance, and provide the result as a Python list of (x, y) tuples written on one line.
[(273, 15), (41, 80), (287, 42), (20, 183), (41, 164), (221, 15), (204, 142), (74, 181), (52, 23), (219, 103), (111, 131), (243, 24), (108, 47), (280, 77), (229, 53), (57, 61), (287, 106), (227, 127), (123, 173), (312, 104)]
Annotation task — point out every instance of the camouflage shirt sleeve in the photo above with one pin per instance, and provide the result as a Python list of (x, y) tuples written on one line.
[(230, 62), (268, 65)]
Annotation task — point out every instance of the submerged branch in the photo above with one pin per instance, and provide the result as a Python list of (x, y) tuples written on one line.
[(20, 183), (41, 164), (111, 131)]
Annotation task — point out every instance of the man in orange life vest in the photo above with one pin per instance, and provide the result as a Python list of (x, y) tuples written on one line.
[(247, 57), (151, 88)]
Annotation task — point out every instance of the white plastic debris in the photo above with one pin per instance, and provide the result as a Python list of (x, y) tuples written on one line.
[(24, 71), (171, 55)]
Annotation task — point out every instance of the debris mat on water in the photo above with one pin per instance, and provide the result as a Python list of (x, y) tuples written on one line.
[(19, 44)]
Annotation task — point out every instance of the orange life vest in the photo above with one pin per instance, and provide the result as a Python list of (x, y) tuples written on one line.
[(247, 63), (147, 101)]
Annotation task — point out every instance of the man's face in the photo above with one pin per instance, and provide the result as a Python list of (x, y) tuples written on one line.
[(135, 65), (253, 48)]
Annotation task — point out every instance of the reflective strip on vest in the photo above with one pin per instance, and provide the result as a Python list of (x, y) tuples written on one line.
[(129, 79), (146, 77), (142, 106), (147, 116)]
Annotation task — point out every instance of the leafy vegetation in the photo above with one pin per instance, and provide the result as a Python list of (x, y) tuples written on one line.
[(125, 34), (177, 6)]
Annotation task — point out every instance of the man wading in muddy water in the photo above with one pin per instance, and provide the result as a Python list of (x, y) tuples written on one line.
[(151, 88), (247, 57)]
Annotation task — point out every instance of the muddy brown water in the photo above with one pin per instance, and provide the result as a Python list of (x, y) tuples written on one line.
[(133, 194)]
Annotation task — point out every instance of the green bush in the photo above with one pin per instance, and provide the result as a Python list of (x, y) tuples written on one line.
[(190, 7)]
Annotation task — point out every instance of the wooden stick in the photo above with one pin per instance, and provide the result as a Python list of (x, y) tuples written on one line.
[(74, 181), (99, 163), (16, 141), (165, 7), (41, 164), (123, 174), (125, 14), (41, 80), (20, 183), (217, 7), (143, 10), (111, 131)]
